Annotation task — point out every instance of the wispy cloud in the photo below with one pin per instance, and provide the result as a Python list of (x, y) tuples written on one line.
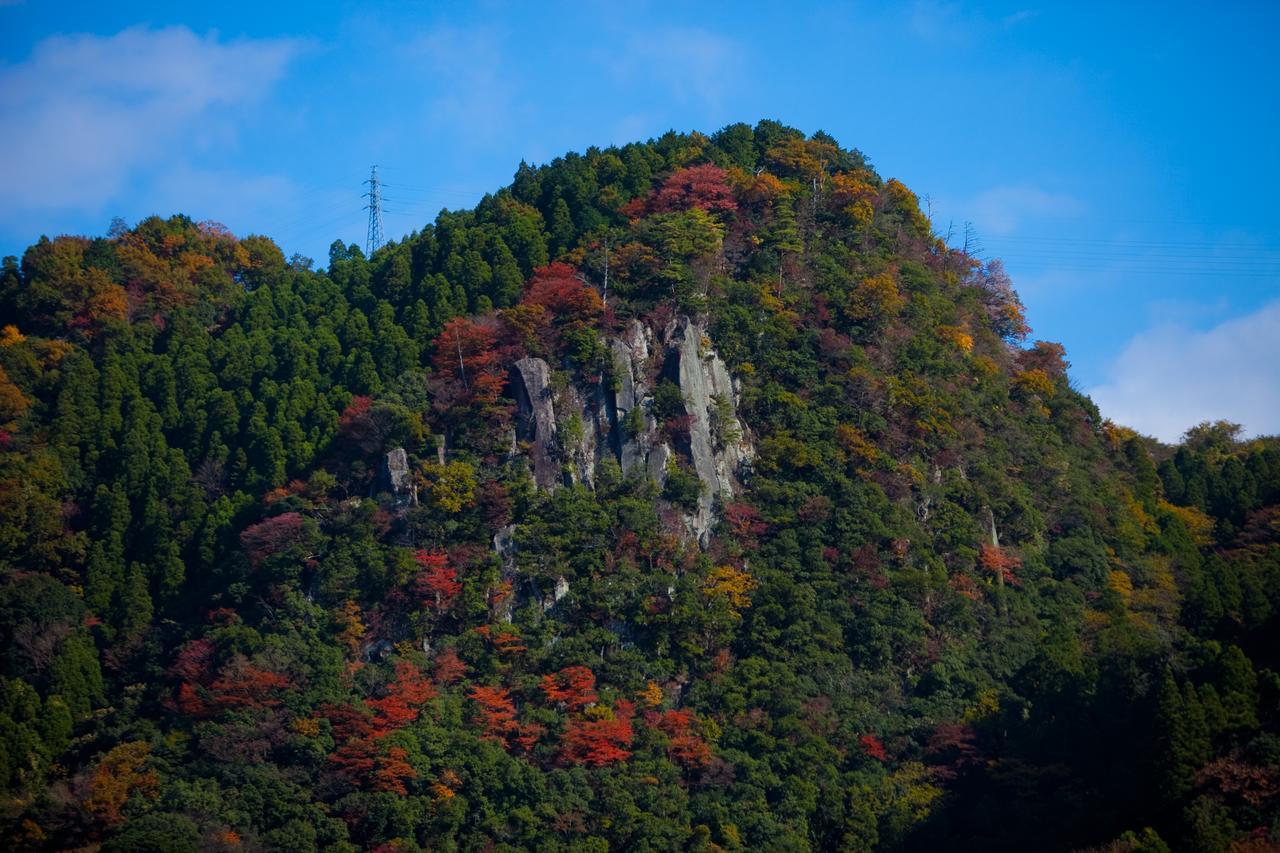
[(1001, 211), (86, 114), (1019, 17), (694, 65), (471, 86), (932, 21), (1170, 377)]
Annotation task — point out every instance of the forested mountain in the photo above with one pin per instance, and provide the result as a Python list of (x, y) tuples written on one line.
[(685, 495)]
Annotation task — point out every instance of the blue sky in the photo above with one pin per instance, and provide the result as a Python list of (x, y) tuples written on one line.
[(1121, 158)]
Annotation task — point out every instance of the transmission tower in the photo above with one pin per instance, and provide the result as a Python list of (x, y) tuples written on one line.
[(374, 240)]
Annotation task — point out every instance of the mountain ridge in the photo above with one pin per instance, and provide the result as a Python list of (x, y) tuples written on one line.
[(691, 493)]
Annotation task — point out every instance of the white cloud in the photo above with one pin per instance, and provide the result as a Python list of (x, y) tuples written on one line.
[(694, 65), (1170, 377), (933, 21), (1019, 17), (473, 90), (86, 114), (1000, 211)]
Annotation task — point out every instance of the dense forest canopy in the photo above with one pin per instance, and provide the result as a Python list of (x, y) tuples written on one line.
[(685, 495)]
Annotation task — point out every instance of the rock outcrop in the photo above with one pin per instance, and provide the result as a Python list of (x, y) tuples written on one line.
[(570, 431), (716, 445), (536, 419), (395, 477)]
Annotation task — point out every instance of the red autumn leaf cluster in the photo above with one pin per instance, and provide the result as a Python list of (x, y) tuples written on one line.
[(356, 409), (954, 747), (497, 716), (1241, 780), (564, 294), (437, 583), (744, 521), (505, 640), (497, 713), (705, 187), (270, 537), (449, 667), (687, 748), (239, 685), (999, 562), (403, 702), (872, 746), (362, 755), (597, 743), (469, 364), (572, 688), (393, 771), (194, 661)]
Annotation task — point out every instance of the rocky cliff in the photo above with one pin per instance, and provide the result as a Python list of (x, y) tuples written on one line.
[(569, 431)]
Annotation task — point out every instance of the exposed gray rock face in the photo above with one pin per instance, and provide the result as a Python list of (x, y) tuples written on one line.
[(504, 545), (716, 436), (584, 432), (657, 461), (395, 477), (634, 433), (536, 419), (558, 591), (569, 433)]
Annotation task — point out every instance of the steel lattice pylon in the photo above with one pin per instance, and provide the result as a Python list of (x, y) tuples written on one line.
[(374, 239)]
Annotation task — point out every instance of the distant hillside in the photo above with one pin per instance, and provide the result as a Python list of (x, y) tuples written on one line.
[(686, 495)]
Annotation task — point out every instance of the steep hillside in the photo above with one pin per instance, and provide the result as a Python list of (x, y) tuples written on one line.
[(690, 494)]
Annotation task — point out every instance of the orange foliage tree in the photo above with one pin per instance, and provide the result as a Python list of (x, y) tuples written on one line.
[(687, 748), (497, 713), (362, 754), (116, 778), (597, 743), (449, 667), (999, 562), (437, 583), (572, 688)]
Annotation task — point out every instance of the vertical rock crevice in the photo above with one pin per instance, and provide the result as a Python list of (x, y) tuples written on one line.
[(568, 433)]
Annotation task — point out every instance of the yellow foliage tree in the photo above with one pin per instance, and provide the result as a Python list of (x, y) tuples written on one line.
[(651, 695), (10, 335), (13, 403), (876, 299), (1035, 382), (958, 337), (350, 627), (732, 585), (1198, 525), (452, 486), (854, 197)]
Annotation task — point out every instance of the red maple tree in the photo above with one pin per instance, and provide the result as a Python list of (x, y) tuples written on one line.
[(403, 702), (449, 667), (687, 748), (272, 536), (999, 562), (872, 746), (561, 290), (497, 712), (469, 367), (393, 771), (705, 187), (597, 743), (437, 583), (572, 688)]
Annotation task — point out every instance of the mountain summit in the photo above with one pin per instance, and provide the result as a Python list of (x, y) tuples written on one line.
[(693, 494)]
